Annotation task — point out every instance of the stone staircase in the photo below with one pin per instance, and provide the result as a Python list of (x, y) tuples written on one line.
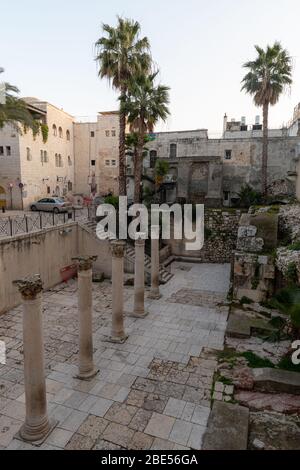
[(165, 275)]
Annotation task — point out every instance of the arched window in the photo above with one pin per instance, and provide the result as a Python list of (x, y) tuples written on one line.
[(54, 130), (45, 156), (60, 160), (68, 134), (69, 161), (60, 132), (56, 160)]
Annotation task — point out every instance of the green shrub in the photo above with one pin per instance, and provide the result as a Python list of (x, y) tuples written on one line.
[(295, 315), (285, 363), (291, 273), (249, 197), (255, 361), (113, 200), (294, 246)]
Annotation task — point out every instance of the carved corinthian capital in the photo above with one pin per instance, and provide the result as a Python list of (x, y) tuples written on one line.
[(29, 287), (84, 262), (118, 247)]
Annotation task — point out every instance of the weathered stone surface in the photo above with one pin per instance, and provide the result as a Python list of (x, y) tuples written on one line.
[(227, 427), (275, 380), (247, 231), (275, 431), (281, 403), (251, 244), (238, 326)]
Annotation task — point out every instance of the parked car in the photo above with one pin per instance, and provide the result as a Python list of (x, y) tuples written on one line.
[(51, 204)]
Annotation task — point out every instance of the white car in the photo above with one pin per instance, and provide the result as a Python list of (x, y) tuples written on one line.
[(51, 204)]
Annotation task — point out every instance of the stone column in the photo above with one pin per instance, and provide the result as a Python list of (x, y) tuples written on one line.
[(86, 369), (154, 291), (139, 279), (37, 425), (117, 330)]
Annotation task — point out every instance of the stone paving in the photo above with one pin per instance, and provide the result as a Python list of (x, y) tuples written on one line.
[(152, 392)]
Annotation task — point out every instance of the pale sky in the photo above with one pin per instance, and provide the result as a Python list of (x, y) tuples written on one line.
[(47, 50)]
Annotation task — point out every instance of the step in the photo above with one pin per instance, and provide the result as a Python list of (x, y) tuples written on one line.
[(227, 427), (277, 380)]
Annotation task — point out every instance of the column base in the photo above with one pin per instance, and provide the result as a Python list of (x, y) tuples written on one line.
[(87, 375), (154, 295), (138, 315), (117, 339), (25, 435)]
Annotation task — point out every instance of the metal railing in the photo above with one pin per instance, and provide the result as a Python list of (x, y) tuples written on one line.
[(36, 221)]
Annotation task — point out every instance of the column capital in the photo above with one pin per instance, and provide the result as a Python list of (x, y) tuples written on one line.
[(140, 240), (29, 287), (118, 248), (84, 262)]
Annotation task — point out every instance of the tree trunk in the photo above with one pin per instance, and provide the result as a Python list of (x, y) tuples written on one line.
[(122, 155), (138, 166), (265, 151)]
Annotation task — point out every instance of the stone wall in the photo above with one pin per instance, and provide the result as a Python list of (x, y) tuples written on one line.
[(220, 237), (46, 253), (254, 267)]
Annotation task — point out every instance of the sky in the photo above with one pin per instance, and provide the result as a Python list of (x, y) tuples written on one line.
[(47, 50)]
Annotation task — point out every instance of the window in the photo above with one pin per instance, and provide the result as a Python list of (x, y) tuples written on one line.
[(60, 132), (48, 190), (1, 150), (113, 133), (42, 156), (28, 154), (93, 162), (173, 150), (54, 130), (153, 157), (69, 161), (70, 185), (107, 162), (8, 151), (68, 135), (228, 154), (92, 134), (113, 162), (60, 160), (45, 156), (107, 133), (56, 160)]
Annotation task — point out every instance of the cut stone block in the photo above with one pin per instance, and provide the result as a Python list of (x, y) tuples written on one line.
[(227, 427), (276, 380), (238, 326)]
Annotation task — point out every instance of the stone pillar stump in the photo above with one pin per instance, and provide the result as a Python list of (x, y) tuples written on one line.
[(86, 368), (37, 425), (139, 279), (117, 329), (154, 291)]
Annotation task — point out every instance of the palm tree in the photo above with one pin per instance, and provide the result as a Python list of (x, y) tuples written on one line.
[(122, 54), (131, 145), (267, 77), (13, 110), (144, 104)]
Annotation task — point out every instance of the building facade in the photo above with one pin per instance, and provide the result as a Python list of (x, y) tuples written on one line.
[(96, 146), (212, 171), (31, 168)]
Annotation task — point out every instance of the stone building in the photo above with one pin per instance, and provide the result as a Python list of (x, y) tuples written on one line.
[(212, 171), (31, 168), (96, 147)]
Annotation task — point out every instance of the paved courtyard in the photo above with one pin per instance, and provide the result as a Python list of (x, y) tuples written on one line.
[(153, 392)]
